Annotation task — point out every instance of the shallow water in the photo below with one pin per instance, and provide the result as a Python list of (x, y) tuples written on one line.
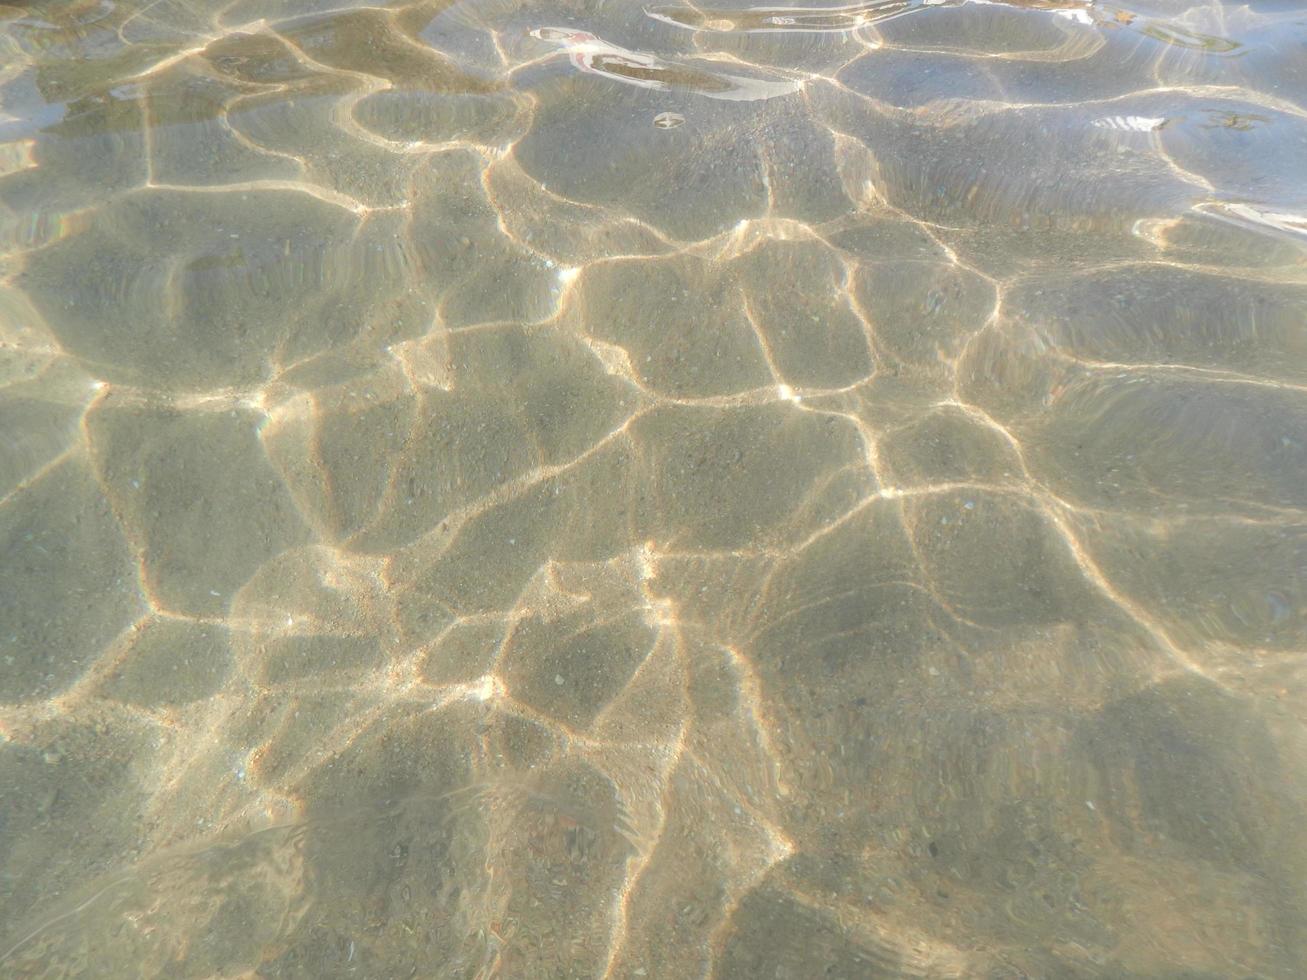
[(583, 489)]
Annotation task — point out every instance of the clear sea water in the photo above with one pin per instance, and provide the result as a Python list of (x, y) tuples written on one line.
[(601, 490)]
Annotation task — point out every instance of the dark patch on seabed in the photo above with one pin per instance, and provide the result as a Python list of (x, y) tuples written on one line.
[(605, 490)]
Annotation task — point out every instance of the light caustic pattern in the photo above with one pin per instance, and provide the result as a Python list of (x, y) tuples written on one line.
[(537, 490)]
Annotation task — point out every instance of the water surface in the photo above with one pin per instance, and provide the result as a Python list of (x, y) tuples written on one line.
[(591, 489)]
